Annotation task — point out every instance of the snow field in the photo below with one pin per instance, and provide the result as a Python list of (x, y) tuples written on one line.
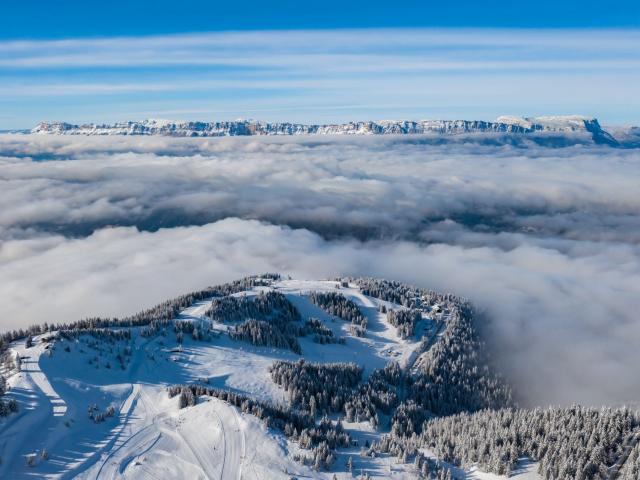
[(149, 436)]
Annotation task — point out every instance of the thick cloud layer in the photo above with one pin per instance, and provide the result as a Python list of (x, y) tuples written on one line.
[(565, 326), (547, 239), (409, 188)]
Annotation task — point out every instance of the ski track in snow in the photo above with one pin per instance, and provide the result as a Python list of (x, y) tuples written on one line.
[(149, 436), (41, 410)]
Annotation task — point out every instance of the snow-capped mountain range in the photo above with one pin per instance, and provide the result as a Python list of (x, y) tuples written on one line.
[(505, 124)]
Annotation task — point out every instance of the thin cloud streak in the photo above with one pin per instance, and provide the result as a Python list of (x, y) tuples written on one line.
[(409, 84), (348, 66), (586, 40)]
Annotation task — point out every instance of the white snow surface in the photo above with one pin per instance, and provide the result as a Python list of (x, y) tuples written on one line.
[(549, 122), (149, 436), (505, 124)]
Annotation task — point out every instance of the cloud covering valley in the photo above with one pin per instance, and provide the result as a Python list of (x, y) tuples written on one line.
[(546, 239)]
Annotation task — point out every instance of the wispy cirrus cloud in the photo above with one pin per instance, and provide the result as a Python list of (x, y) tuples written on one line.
[(480, 72), (380, 40)]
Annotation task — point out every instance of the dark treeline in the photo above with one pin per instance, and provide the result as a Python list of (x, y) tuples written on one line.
[(161, 314), (99, 416), (6, 406), (103, 334), (317, 387), (426, 467), (454, 374), (381, 391), (337, 305), (403, 294), (11, 363), (269, 319), (574, 443), (197, 330), (273, 415), (320, 332), (264, 306), (244, 284), (337, 388), (321, 439), (404, 320), (279, 334), (631, 468), (451, 376)]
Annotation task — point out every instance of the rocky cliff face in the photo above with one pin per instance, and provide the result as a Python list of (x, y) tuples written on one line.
[(515, 125)]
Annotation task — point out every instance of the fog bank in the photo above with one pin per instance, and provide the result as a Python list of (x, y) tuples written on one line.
[(546, 239)]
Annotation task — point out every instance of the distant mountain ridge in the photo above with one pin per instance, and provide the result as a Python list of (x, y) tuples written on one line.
[(505, 124)]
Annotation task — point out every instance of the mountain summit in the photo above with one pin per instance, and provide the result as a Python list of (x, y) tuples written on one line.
[(267, 377)]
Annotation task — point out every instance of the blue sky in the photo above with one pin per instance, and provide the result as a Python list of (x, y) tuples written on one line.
[(72, 18), (317, 61)]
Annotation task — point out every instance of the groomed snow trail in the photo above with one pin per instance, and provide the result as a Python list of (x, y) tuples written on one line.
[(188, 435), (234, 440), (120, 439), (150, 437), (40, 380), (38, 424)]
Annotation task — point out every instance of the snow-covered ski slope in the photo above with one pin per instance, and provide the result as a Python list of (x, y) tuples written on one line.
[(62, 381)]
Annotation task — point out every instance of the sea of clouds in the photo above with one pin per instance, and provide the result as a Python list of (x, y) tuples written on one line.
[(547, 240)]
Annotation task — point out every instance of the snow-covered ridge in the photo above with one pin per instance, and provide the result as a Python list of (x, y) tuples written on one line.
[(211, 385), (514, 125)]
